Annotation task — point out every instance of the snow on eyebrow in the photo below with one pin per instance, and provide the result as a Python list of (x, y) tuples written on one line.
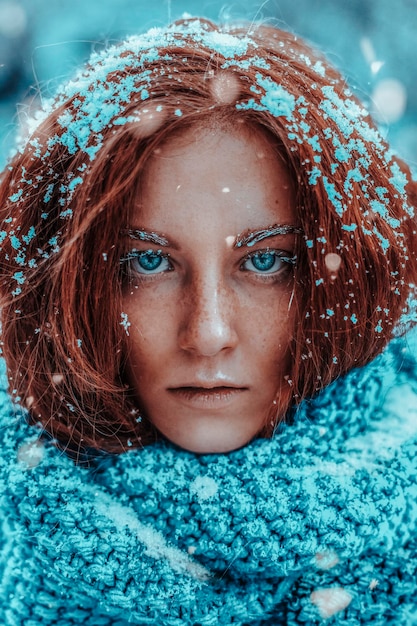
[(251, 237), (144, 235)]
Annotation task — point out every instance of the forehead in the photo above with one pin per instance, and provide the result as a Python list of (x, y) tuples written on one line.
[(230, 177)]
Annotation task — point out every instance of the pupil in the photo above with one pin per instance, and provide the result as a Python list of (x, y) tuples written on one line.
[(150, 261), (263, 261)]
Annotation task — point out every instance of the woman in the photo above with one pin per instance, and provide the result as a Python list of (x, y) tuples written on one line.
[(205, 230)]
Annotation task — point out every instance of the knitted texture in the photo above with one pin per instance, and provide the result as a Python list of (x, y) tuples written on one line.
[(315, 525)]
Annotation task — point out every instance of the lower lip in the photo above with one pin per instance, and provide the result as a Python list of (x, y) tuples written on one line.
[(201, 398)]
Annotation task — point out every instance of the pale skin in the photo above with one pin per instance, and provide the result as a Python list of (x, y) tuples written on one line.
[(210, 316)]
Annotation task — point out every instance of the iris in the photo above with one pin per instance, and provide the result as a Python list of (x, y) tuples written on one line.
[(147, 261), (267, 262), (264, 261)]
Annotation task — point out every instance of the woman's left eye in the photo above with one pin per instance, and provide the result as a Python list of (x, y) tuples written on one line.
[(267, 262)]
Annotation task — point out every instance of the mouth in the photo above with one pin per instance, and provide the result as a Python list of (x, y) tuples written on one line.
[(205, 397)]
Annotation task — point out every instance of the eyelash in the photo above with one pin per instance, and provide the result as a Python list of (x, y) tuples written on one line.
[(289, 261), (134, 255), (129, 259)]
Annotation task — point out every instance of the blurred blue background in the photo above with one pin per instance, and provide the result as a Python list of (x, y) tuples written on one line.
[(374, 42)]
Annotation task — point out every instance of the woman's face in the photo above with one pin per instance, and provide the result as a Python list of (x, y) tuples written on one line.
[(209, 309)]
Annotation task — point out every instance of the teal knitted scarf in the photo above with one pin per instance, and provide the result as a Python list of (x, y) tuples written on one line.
[(315, 525)]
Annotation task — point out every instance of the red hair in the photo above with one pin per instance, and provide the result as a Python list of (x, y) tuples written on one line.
[(67, 194)]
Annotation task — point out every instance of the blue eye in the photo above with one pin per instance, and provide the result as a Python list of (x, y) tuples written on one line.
[(148, 262), (267, 262)]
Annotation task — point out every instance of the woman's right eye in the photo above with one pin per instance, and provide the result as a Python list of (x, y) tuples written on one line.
[(148, 262)]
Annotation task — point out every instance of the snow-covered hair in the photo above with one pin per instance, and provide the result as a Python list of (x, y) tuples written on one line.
[(68, 193)]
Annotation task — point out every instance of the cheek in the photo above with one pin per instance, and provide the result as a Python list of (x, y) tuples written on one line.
[(270, 326), (275, 359), (151, 331)]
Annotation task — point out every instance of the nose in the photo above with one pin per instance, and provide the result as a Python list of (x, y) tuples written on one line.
[(208, 325)]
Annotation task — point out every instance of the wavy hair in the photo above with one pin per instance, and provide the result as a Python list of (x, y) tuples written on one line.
[(68, 192)]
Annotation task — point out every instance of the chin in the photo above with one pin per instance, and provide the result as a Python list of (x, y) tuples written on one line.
[(213, 446)]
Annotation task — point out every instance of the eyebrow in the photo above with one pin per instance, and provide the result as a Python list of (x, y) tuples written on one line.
[(247, 238), (144, 235), (251, 237)]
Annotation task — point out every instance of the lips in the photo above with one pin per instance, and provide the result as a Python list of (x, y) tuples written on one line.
[(212, 396)]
